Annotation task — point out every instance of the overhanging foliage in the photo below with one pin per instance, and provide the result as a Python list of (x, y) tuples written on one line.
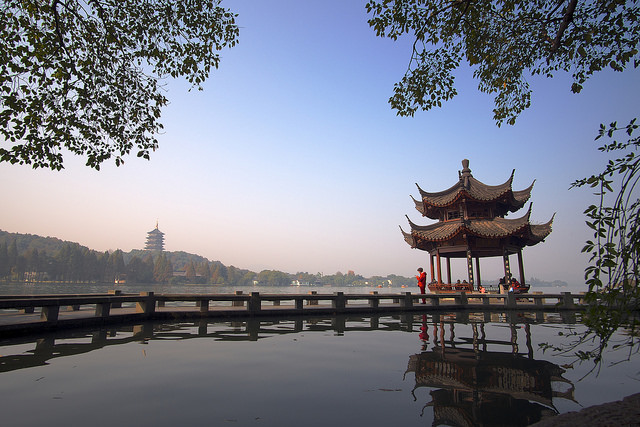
[(86, 75)]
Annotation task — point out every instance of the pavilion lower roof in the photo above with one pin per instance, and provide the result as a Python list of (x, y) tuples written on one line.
[(495, 228)]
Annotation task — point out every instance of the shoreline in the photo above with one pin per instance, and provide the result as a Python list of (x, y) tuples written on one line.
[(620, 413)]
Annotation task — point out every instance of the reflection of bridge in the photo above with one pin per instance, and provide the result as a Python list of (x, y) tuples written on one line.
[(68, 342), (20, 314), (476, 387)]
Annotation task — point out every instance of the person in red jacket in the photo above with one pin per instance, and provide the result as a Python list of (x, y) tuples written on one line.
[(422, 282)]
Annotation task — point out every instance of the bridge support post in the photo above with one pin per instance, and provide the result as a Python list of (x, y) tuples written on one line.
[(147, 305), (117, 304), (407, 301), (255, 303), (538, 302), (238, 303), (50, 313), (510, 300), (203, 305), (462, 299), (313, 301), (567, 300), (339, 302), (373, 302), (103, 309)]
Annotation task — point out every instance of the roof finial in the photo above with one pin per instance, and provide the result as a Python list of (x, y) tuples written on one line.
[(465, 167), (156, 224), (466, 173)]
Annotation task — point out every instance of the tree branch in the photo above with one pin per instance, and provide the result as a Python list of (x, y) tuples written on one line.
[(568, 17), (56, 17)]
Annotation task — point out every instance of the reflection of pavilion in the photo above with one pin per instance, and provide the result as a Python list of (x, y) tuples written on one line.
[(486, 388)]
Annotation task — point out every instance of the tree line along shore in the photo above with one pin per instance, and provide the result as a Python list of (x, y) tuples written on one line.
[(32, 258)]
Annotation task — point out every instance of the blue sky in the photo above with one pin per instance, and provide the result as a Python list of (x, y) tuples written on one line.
[(292, 159)]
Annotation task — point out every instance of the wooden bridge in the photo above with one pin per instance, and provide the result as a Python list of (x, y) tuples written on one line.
[(27, 314)]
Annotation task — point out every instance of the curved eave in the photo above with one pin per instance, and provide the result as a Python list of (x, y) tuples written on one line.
[(519, 198), (522, 196), (441, 198), (539, 232), (419, 205), (438, 232), (408, 238)]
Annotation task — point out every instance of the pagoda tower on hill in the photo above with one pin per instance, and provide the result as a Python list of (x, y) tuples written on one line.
[(471, 224), (155, 240)]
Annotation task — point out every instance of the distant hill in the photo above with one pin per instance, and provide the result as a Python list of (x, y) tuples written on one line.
[(535, 282), (51, 245), (26, 242)]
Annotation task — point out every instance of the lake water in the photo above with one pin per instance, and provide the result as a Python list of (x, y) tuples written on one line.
[(410, 370)]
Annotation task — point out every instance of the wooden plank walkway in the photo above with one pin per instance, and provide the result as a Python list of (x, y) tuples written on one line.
[(22, 315)]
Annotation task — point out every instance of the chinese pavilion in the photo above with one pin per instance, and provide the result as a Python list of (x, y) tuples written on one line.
[(155, 240), (471, 224)]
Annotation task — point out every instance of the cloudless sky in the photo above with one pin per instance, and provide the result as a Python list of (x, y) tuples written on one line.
[(292, 159)]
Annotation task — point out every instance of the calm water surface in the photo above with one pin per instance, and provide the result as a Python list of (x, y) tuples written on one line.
[(375, 371)]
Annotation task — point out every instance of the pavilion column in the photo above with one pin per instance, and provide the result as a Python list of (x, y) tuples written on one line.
[(432, 272), (449, 270), (521, 266), (507, 268), (470, 266), (439, 267), (478, 270)]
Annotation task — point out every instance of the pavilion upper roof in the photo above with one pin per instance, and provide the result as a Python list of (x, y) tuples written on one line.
[(422, 237), (468, 187)]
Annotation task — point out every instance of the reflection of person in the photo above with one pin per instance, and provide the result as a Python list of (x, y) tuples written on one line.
[(422, 282)]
